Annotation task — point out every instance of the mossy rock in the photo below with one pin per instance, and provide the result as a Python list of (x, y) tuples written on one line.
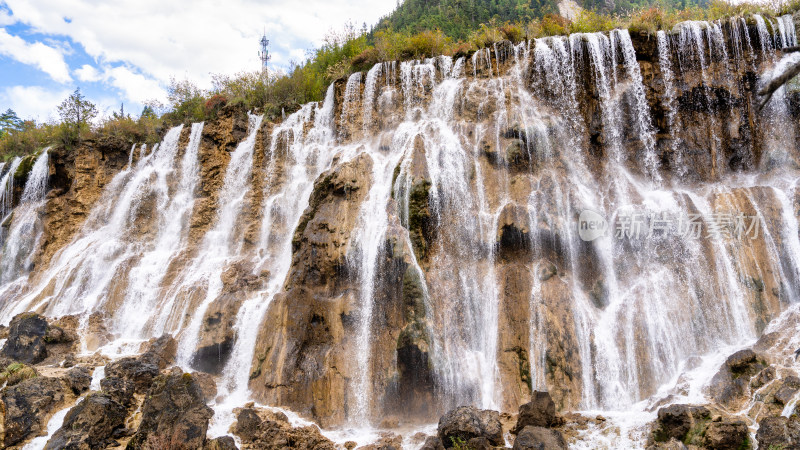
[(16, 373), (24, 169), (413, 295), (419, 217)]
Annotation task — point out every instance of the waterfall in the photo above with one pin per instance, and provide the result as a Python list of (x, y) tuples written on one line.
[(668, 101), (7, 187), (219, 244), (475, 181), (146, 277), (25, 231)]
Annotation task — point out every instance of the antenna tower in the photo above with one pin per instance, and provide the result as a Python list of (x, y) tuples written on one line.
[(263, 54)]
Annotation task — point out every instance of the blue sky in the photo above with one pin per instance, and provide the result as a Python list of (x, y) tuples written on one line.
[(127, 51)]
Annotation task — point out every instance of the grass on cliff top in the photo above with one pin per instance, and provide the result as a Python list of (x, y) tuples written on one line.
[(355, 50), (346, 52)]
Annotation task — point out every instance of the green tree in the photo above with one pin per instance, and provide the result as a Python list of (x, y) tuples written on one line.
[(9, 122), (76, 111)]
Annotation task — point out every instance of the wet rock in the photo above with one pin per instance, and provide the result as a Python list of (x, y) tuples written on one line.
[(120, 389), (763, 377), (460, 425), (96, 335), (26, 339), (386, 441), (685, 423), (672, 444), (218, 334), (787, 391), (173, 412), (134, 369), (778, 433), (28, 405), (17, 372), (517, 155), (78, 379), (432, 443), (539, 412), (513, 231), (160, 351), (220, 443), (207, 385), (92, 423), (539, 438), (260, 429), (727, 434), (730, 385)]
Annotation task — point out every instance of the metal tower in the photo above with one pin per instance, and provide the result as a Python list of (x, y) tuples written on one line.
[(263, 54)]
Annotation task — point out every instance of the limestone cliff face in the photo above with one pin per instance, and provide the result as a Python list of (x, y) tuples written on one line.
[(411, 244)]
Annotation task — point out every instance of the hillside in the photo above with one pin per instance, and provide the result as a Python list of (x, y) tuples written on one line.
[(458, 18)]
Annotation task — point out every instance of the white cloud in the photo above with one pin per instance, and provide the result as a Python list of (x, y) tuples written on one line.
[(34, 102), (47, 59), (5, 18), (136, 87), (88, 73), (160, 39)]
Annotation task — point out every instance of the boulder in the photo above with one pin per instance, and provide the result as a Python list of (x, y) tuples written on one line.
[(539, 438), (387, 441), (139, 370), (28, 405), (682, 422), (207, 385), (461, 424), (788, 389), (92, 423), (730, 385), (160, 351), (432, 443), (79, 379), (174, 413), (539, 412), (259, 429), (120, 389), (26, 339), (220, 443), (16, 372), (778, 433), (727, 434)]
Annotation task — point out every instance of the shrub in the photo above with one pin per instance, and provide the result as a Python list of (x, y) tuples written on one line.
[(214, 104), (514, 32), (553, 25), (590, 21), (487, 35)]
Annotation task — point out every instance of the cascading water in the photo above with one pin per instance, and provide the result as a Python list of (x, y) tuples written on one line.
[(480, 175), (219, 245), (26, 230)]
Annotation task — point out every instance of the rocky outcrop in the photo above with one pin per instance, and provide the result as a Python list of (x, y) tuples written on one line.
[(78, 379), (26, 339), (778, 432), (539, 412), (28, 406), (684, 423), (731, 385), (94, 422), (300, 360), (173, 414), (698, 426), (141, 370), (260, 429), (539, 438), (465, 423)]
